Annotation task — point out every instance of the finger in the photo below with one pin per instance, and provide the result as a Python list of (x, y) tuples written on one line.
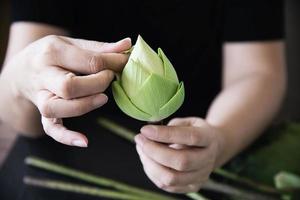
[(184, 160), (52, 106), (55, 129), (101, 47), (179, 122), (68, 86), (77, 60), (181, 189), (185, 121), (148, 169), (164, 177), (185, 135)]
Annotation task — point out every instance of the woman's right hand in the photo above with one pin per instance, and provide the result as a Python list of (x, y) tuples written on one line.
[(64, 77)]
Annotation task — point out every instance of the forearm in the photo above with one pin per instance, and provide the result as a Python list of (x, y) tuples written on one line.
[(243, 109)]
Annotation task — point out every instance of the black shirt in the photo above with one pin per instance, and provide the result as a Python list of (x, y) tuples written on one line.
[(191, 33)]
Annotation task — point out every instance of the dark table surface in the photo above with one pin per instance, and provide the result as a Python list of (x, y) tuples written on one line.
[(108, 155)]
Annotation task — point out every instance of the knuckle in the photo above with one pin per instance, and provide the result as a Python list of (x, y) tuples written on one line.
[(47, 129), (66, 86), (182, 163), (45, 110), (47, 49), (205, 178), (210, 159), (198, 122), (59, 137), (104, 45), (147, 147), (51, 38), (124, 60), (160, 185), (168, 133), (192, 188), (50, 131), (49, 43), (170, 189), (169, 180), (194, 138), (95, 63), (175, 120), (106, 77), (83, 108)]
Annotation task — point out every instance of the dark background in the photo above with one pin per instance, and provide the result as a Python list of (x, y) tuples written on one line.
[(291, 109)]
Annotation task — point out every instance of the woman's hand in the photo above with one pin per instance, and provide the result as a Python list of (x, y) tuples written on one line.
[(64, 77), (179, 157)]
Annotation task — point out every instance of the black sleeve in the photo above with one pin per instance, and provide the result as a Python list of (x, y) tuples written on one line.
[(251, 20), (53, 12)]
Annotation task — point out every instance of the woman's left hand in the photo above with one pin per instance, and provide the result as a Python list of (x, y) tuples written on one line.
[(179, 157)]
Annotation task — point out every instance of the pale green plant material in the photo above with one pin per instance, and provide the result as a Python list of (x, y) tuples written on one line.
[(148, 88), (98, 180), (79, 188), (286, 180)]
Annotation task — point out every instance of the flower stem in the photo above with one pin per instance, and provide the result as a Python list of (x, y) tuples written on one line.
[(60, 169), (116, 129), (237, 192), (78, 188), (247, 182), (195, 196)]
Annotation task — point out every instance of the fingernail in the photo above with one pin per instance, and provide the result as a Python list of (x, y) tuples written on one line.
[(79, 143), (100, 100), (148, 129), (128, 38), (139, 139)]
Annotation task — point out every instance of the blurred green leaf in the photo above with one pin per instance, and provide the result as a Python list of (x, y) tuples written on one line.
[(277, 150), (286, 180)]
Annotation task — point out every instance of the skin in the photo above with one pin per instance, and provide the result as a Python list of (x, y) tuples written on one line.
[(41, 79), (178, 157)]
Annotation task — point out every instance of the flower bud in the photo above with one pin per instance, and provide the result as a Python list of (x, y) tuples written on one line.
[(148, 88)]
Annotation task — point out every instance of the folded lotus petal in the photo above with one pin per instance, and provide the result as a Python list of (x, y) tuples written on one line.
[(154, 93), (143, 53), (126, 105), (133, 77), (148, 88), (169, 71), (173, 104)]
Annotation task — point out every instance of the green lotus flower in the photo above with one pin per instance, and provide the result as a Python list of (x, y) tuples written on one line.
[(148, 88)]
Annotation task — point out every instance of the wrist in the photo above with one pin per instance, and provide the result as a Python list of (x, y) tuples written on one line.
[(10, 81), (221, 142), (27, 115)]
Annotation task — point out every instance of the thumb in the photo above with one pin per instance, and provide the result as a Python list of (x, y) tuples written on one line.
[(100, 47), (117, 47), (185, 121)]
